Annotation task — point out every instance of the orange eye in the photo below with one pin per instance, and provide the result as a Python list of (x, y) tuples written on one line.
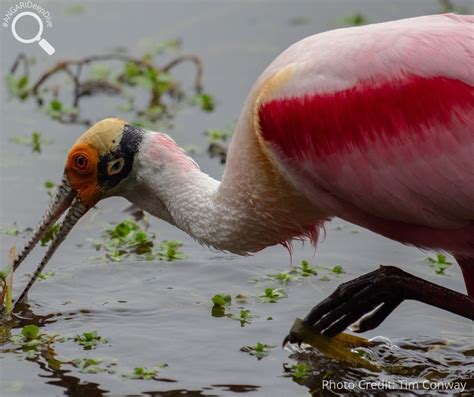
[(81, 163)]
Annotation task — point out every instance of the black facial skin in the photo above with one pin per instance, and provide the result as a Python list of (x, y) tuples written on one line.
[(129, 144)]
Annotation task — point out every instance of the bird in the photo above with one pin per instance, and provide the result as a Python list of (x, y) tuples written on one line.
[(371, 124)]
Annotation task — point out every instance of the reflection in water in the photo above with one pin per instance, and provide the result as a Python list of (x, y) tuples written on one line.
[(74, 386), (412, 361), (405, 365)]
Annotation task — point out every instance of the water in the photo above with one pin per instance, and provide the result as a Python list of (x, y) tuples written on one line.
[(164, 313)]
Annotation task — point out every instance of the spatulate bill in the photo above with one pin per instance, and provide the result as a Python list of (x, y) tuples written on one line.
[(75, 212)]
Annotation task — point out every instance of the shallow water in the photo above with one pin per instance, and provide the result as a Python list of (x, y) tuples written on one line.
[(160, 311)]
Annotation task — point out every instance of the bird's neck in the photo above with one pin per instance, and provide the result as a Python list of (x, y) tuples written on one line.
[(239, 215)]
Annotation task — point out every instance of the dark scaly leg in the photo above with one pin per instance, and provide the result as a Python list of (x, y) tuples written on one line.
[(373, 296)]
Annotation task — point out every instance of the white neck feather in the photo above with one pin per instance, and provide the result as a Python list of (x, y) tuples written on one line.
[(222, 215)]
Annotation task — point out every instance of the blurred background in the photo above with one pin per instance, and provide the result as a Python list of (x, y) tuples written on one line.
[(184, 68)]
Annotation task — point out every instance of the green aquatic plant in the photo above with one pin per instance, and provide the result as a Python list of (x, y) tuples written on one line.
[(284, 277), (218, 135), (272, 295), (35, 141), (111, 74), (9, 231), (220, 303), (356, 19), (74, 9), (58, 111), (306, 270), (89, 339), (50, 234), (18, 86), (245, 317), (129, 239), (337, 269), (31, 340), (222, 300), (145, 373), (44, 276), (169, 250), (446, 6), (440, 263), (49, 186), (205, 101), (298, 371), (93, 365), (259, 350)]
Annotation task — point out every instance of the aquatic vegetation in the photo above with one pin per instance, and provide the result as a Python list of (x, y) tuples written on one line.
[(128, 238), (168, 250), (74, 9), (17, 86), (220, 303), (50, 234), (215, 135), (44, 276), (222, 300), (9, 231), (111, 74), (89, 339), (88, 365), (58, 111), (440, 263), (49, 186), (145, 373), (245, 317), (356, 19), (31, 340), (35, 141), (337, 269), (298, 371), (93, 365), (218, 139), (205, 101), (305, 270), (272, 295), (260, 350), (284, 277), (446, 6)]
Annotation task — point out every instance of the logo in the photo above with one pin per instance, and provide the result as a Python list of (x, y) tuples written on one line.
[(43, 43)]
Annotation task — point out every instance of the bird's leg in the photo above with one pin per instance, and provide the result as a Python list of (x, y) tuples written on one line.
[(373, 296)]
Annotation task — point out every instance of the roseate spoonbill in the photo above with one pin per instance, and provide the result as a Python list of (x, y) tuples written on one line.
[(373, 124)]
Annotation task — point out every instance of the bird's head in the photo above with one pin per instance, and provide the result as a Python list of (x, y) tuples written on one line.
[(101, 159), (97, 166)]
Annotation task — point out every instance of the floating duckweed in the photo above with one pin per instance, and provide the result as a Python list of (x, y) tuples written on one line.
[(260, 350), (440, 263), (89, 339), (272, 295), (128, 238)]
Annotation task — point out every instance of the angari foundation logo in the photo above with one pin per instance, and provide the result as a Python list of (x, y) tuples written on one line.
[(38, 15)]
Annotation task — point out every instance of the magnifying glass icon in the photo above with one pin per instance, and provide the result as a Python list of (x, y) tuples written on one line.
[(43, 43)]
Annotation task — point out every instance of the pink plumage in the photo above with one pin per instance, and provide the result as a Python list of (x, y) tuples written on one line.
[(381, 133)]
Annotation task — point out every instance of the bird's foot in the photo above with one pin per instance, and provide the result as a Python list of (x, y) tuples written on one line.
[(356, 300), (368, 300)]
